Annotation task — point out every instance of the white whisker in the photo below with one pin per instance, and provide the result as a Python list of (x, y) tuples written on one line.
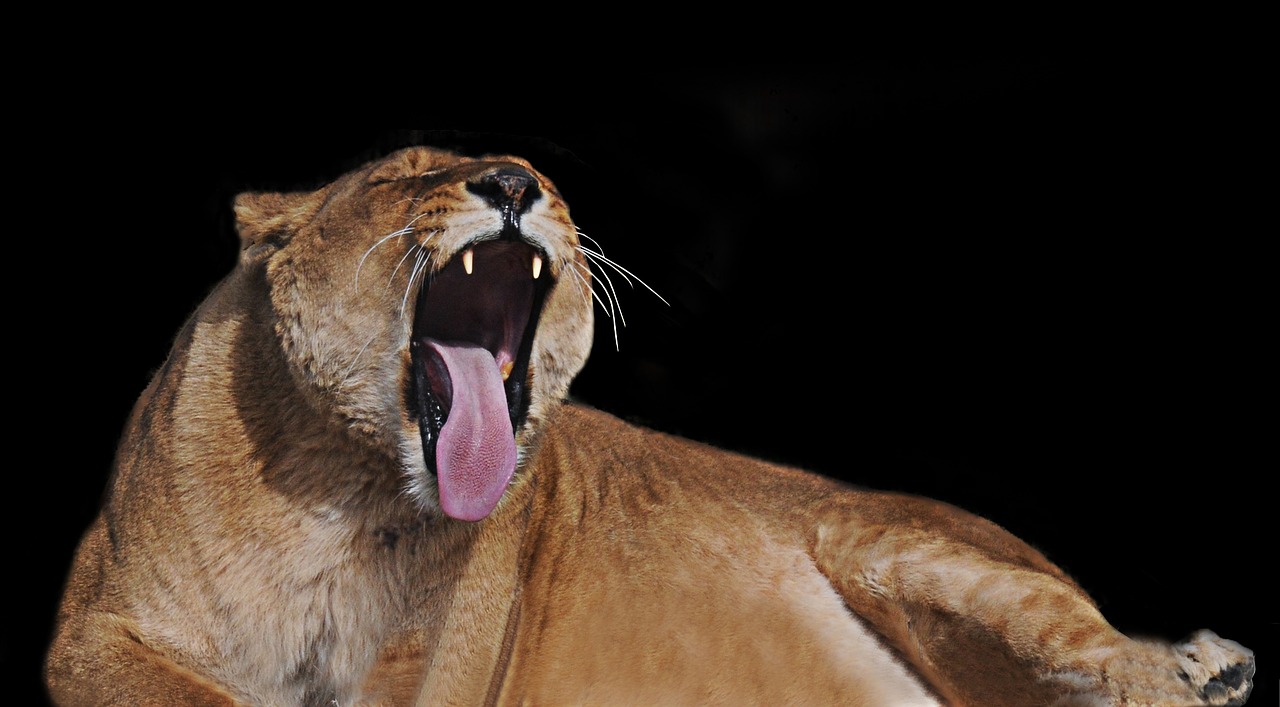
[(594, 242), (607, 295), (415, 220), (603, 297), (607, 310), (417, 267), (600, 257), (359, 353), (416, 247), (384, 239), (586, 284), (607, 305), (608, 284)]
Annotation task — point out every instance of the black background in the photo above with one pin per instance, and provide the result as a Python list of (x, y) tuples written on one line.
[(1033, 289)]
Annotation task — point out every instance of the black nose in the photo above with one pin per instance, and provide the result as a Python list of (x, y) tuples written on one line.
[(511, 189)]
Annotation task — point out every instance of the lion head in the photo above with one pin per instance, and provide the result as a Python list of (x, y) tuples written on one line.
[(438, 304)]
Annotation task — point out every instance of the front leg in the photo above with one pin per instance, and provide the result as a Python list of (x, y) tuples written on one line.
[(98, 659), (1207, 670), (99, 656), (986, 620)]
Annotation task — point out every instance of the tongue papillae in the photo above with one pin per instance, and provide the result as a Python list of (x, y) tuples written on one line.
[(476, 451)]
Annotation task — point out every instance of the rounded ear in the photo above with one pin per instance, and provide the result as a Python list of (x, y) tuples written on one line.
[(267, 220)]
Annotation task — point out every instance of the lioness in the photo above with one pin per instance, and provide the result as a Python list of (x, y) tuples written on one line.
[(358, 479)]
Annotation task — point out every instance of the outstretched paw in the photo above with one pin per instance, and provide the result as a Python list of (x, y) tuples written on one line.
[(1221, 671)]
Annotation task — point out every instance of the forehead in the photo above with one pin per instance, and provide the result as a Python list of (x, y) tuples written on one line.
[(417, 161)]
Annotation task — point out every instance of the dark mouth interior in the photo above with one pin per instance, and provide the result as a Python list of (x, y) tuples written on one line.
[(495, 307)]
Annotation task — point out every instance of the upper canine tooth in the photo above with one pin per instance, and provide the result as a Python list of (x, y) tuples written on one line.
[(505, 369), (537, 265), (467, 256)]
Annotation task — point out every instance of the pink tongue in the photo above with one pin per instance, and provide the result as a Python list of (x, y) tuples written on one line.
[(476, 452)]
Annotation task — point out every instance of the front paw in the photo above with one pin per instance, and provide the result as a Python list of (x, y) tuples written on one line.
[(1221, 671)]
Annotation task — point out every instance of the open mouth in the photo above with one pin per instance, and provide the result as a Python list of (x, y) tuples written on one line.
[(472, 336)]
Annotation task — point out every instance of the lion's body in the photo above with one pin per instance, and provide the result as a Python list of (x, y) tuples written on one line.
[(725, 607), (273, 536)]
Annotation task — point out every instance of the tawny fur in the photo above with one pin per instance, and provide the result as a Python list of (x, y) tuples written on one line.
[(271, 535)]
